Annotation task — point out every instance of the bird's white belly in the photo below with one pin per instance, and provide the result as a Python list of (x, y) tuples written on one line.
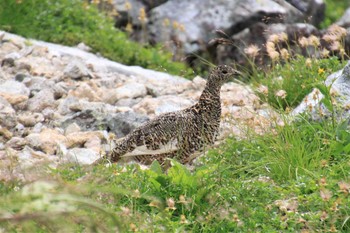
[(143, 150)]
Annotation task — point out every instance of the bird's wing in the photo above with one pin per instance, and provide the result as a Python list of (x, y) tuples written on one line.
[(159, 135)]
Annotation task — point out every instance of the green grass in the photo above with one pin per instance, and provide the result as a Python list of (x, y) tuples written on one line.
[(297, 77), (288, 180), (295, 178), (334, 10), (69, 22)]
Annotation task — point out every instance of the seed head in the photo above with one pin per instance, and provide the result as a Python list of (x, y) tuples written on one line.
[(285, 54), (304, 42), (281, 93), (252, 51)]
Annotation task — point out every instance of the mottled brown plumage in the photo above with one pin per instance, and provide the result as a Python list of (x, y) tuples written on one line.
[(176, 134)]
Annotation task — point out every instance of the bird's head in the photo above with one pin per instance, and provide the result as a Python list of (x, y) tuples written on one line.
[(221, 74)]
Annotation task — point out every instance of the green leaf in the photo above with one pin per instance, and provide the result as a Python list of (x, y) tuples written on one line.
[(155, 166)]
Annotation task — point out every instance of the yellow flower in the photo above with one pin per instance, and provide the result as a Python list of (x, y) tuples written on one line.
[(95, 2), (320, 71), (176, 25), (166, 22)]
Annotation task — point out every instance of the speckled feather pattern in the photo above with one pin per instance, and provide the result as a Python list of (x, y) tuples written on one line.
[(187, 130)]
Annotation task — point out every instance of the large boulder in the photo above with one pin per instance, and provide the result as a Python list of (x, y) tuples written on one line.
[(193, 23), (313, 104)]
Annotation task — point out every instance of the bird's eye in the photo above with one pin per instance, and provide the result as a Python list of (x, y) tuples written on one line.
[(224, 71)]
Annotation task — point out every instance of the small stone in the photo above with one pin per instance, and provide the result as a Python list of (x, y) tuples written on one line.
[(81, 156), (83, 47), (84, 91), (16, 143), (131, 90), (5, 132), (29, 120), (14, 99), (198, 83), (14, 88), (78, 139), (41, 100), (46, 141), (76, 70), (23, 66), (8, 116), (72, 128), (123, 123), (19, 77), (93, 143), (60, 89)]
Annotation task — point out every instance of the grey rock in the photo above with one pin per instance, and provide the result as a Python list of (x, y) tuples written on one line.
[(38, 127), (258, 34), (16, 143), (60, 89), (313, 10), (72, 128), (128, 102), (127, 15), (87, 120), (37, 83), (41, 100), (131, 90), (81, 156), (64, 105), (30, 119), (344, 21), (83, 47), (8, 116), (202, 18), (76, 69), (120, 123), (19, 77), (123, 123), (13, 56), (340, 86), (13, 87), (19, 129)]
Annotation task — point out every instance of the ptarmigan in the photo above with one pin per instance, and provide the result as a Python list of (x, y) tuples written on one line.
[(176, 134)]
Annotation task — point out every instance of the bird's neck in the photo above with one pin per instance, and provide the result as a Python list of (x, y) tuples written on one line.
[(210, 97)]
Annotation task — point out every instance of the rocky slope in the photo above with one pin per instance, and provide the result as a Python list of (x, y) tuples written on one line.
[(60, 104)]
